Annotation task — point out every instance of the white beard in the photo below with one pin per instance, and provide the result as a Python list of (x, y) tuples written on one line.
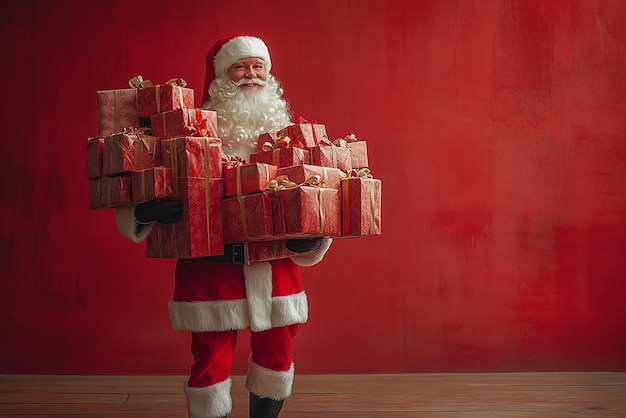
[(242, 115)]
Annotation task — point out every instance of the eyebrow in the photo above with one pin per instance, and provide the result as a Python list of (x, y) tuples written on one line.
[(258, 61)]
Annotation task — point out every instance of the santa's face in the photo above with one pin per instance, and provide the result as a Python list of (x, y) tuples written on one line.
[(248, 73)]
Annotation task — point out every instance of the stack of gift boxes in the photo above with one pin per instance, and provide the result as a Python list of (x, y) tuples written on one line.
[(153, 144)]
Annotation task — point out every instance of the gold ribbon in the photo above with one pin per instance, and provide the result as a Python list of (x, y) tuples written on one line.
[(363, 173), (206, 192), (242, 204), (174, 157), (138, 82), (372, 207), (118, 122), (134, 135), (282, 141), (350, 138), (283, 183), (333, 147), (280, 183)]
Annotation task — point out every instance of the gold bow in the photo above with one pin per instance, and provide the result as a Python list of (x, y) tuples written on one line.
[(365, 173), (282, 141), (280, 183), (138, 82)]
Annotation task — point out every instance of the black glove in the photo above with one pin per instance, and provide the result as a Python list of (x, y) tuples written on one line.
[(164, 211), (304, 245)]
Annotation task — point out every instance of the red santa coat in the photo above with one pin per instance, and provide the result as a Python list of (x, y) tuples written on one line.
[(224, 296)]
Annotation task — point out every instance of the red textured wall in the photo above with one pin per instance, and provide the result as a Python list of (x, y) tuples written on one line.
[(498, 128)]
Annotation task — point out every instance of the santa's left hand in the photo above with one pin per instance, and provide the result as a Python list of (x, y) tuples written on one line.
[(303, 245)]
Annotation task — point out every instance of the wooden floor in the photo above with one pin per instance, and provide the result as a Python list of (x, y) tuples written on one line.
[(481, 395)]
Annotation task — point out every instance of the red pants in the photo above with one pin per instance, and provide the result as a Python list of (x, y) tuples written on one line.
[(213, 353)]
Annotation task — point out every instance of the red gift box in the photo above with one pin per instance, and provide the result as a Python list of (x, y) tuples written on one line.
[(329, 155), (305, 134), (328, 177), (257, 251), (95, 149), (358, 154), (282, 157), (109, 192), (117, 109), (181, 122), (151, 183), (247, 178), (306, 211), (196, 156), (199, 232), (360, 206), (271, 140), (163, 97), (130, 151), (248, 218)]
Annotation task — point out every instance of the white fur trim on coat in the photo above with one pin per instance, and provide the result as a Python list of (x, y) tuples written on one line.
[(210, 401), (223, 315), (125, 219), (238, 48), (213, 315), (268, 383), (258, 279), (313, 257)]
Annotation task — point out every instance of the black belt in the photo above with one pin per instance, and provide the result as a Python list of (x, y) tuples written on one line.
[(233, 254)]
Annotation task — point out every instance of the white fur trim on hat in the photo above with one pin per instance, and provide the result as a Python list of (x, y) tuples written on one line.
[(239, 48)]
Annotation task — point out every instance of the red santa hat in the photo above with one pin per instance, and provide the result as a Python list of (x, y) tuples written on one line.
[(227, 51)]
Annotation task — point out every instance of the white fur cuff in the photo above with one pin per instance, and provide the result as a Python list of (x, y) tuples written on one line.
[(268, 383), (313, 257), (125, 219), (210, 401)]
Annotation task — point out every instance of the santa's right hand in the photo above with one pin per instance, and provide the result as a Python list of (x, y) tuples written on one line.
[(164, 211)]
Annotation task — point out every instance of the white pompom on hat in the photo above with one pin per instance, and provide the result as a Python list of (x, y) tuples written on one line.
[(227, 51)]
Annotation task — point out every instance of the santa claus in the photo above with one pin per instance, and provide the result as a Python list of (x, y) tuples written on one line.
[(213, 298)]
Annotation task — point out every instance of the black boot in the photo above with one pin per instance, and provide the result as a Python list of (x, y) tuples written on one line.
[(264, 407)]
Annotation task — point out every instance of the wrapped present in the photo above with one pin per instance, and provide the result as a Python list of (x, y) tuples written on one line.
[(247, 178), (152, 99), (130, 151), (304, 210), (199, 232), (328, 176), (95, 149), (195, 156), (360, 204), (282, 157), (109, 192), (151, 183), (248, 218), (117, 109), (184, 122), (305, 134), (328, 154), (270, 140), (358, 150), (257, 251)]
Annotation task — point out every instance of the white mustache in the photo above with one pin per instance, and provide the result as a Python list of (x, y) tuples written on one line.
[(246, 80)]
